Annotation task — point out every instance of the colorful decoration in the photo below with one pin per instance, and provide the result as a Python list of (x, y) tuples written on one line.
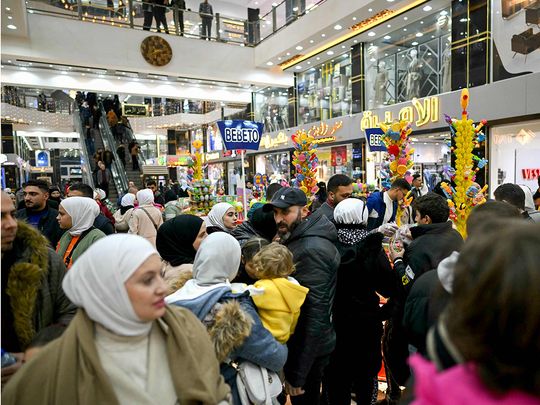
[(305, 162), (467, 193), (195, 171), (201, 197)]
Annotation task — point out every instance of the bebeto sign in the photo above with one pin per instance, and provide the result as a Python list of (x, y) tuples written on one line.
[(373, 136), (240, 134)]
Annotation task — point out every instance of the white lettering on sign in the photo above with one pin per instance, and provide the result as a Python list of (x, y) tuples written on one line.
[(244, 135), (375, 140)]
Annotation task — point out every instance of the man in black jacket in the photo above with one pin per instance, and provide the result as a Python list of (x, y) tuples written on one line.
[(339, 188), (84, 190), (312, 241), (38, 213)]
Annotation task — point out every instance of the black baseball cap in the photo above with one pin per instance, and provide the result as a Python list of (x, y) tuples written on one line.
[(285, 198)]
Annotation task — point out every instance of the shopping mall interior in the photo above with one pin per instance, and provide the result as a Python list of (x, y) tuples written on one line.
[(298, 64)]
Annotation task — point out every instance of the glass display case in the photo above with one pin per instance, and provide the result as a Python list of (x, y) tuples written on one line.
[(413, 61), (325, 91), (271, 108)]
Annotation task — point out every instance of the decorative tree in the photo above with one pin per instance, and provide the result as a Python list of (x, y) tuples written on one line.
[(467, 193), (305, 162), (398, 158), (196, 160)]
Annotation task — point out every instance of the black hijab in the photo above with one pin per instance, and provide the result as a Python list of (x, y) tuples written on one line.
[(175, 239), (264, 223)]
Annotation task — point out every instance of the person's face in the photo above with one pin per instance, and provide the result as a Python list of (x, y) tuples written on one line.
[(342, 193), (75, 193), (398, 194), (55, 194), (417, 182), (422, 220), (101, 165), (64, 219), (230, 218), (152, 187), (35, 198), (288, 218), (200, 237), (146, 290), (9, 223), (250, 270)]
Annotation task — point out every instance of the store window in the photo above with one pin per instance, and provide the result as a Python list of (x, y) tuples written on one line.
[(432, 157), (275, 165), (414, 61), (325, 91), (335, 160), (271, 108)]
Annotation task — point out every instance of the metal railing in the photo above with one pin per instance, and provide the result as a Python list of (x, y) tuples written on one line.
[(117, 169), (86, 169), (145, 15)]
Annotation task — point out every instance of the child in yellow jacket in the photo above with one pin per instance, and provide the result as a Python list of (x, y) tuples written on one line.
[(278, 296)]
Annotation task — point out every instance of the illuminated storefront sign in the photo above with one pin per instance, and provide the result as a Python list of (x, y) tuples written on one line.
[(212, 156), (530, 174), (268, 141), (421, 112), (177, 160)]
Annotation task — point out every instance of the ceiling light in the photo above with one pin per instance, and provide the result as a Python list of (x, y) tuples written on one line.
[(330, 53), (323, 35), (405, 18), (9, 17), (12, 27), (311, 41), (371, 34), (8, 9), (309, 63), (50, 65), (444, 12), (355, 41), (370, 10), (299, 67), (318, 58), (299, 48), (419, 34), (269, 63), (295, 9), (83, 74), (63, 72), (387, 37), (421, 22), (23, 68), (354, 18), (389, 26), (414, 43), (390, 1), (9, 61), (404, 29), (279, 58), (337, 27), (288, 54), (427, 8), (274, 4)]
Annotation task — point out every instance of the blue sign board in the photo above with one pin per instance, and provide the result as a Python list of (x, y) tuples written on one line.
[(373, 136), (42, 159), (240, 134)]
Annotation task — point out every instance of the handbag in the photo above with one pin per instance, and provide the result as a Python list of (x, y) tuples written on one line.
[(121, 223), (151, 219), (257, 385)]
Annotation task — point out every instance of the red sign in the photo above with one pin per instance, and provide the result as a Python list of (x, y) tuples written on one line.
[(227, 153), (530, 174), (338, 155)]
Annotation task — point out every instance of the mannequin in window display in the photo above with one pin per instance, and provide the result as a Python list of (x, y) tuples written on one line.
[(445, 68), (414, 74), (380, 85)]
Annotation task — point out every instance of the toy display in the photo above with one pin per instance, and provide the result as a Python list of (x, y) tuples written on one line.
[(467, 193), (305, 162)]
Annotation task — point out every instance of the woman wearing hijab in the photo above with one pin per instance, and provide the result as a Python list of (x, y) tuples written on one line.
[(222, 218), (364, 271), (124, 346), (123, 215), (230, 316), (146, 218), (77, 216), (177, 242)]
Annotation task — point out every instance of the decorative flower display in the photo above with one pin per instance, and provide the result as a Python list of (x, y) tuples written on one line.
[(195, 171), (305, 162), (467, 193)]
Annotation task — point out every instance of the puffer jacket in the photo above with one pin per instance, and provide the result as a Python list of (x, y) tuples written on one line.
[(244, 232), (317, 260)]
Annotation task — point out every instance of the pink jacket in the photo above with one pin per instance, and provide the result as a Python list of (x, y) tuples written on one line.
[(458, 385)]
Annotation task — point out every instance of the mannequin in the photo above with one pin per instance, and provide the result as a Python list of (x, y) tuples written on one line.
[(380, 85), (414, 74), (445, 68)]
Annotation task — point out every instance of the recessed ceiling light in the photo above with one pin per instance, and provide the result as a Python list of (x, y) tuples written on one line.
[(12, 27), (389, 26), (421, 22), (269, 63), (337, 27), (405, 18), (70, 68), (288, 54), (371, 34), (390, 1), (387, 37), (414, 43), (50, 65), (318, 58), (404, 29), (309, 63), (299, 67), (8, 9), (8, 61), (63, 72), (370, 10), (433, 36), (274, 4), (9, 17), (355, 41), (354, 18), (330, 53), (311, 41), (23, 68), (299, 48), (427, 8), (419, 34), (83, 74), (323, 35), (279, 58)]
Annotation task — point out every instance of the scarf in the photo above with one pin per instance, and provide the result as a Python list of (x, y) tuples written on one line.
[(96, 282), (216, 214), (128, 202), (217, 260), (83, 212), (145, 197), (351, 211), (175, 238), (351, 234)]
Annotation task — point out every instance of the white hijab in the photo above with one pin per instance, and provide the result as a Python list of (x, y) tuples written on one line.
[(96, 282), (209, 266), (145, 197), (351, 211), (216, 214), (83, 212), (128, 200), (529, 201)]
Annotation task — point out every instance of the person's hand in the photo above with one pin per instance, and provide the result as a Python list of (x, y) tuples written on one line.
[(9, 371), (396, 249), (388, 229), (293, 391)]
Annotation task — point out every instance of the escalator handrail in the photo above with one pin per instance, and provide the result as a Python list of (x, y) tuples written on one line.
[(87, 174)]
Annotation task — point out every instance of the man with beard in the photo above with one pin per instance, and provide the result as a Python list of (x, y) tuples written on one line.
[(312, 242)]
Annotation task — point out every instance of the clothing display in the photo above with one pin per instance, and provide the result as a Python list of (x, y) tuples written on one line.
[(414, 76)]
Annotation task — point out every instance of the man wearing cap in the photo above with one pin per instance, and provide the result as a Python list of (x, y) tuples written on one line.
[(312, 242)]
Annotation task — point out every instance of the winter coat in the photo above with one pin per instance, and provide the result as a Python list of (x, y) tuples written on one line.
[(104, 224), (48, 224), (82, 245), (69, 370), (34, 285), (377, 208), (172, 209), (316, 258), (244, 232), (176, 276), (121, 221), (327, 210), (140, 224)]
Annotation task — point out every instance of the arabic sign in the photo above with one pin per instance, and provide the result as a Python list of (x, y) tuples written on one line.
[(373, 136), (240, 134)]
